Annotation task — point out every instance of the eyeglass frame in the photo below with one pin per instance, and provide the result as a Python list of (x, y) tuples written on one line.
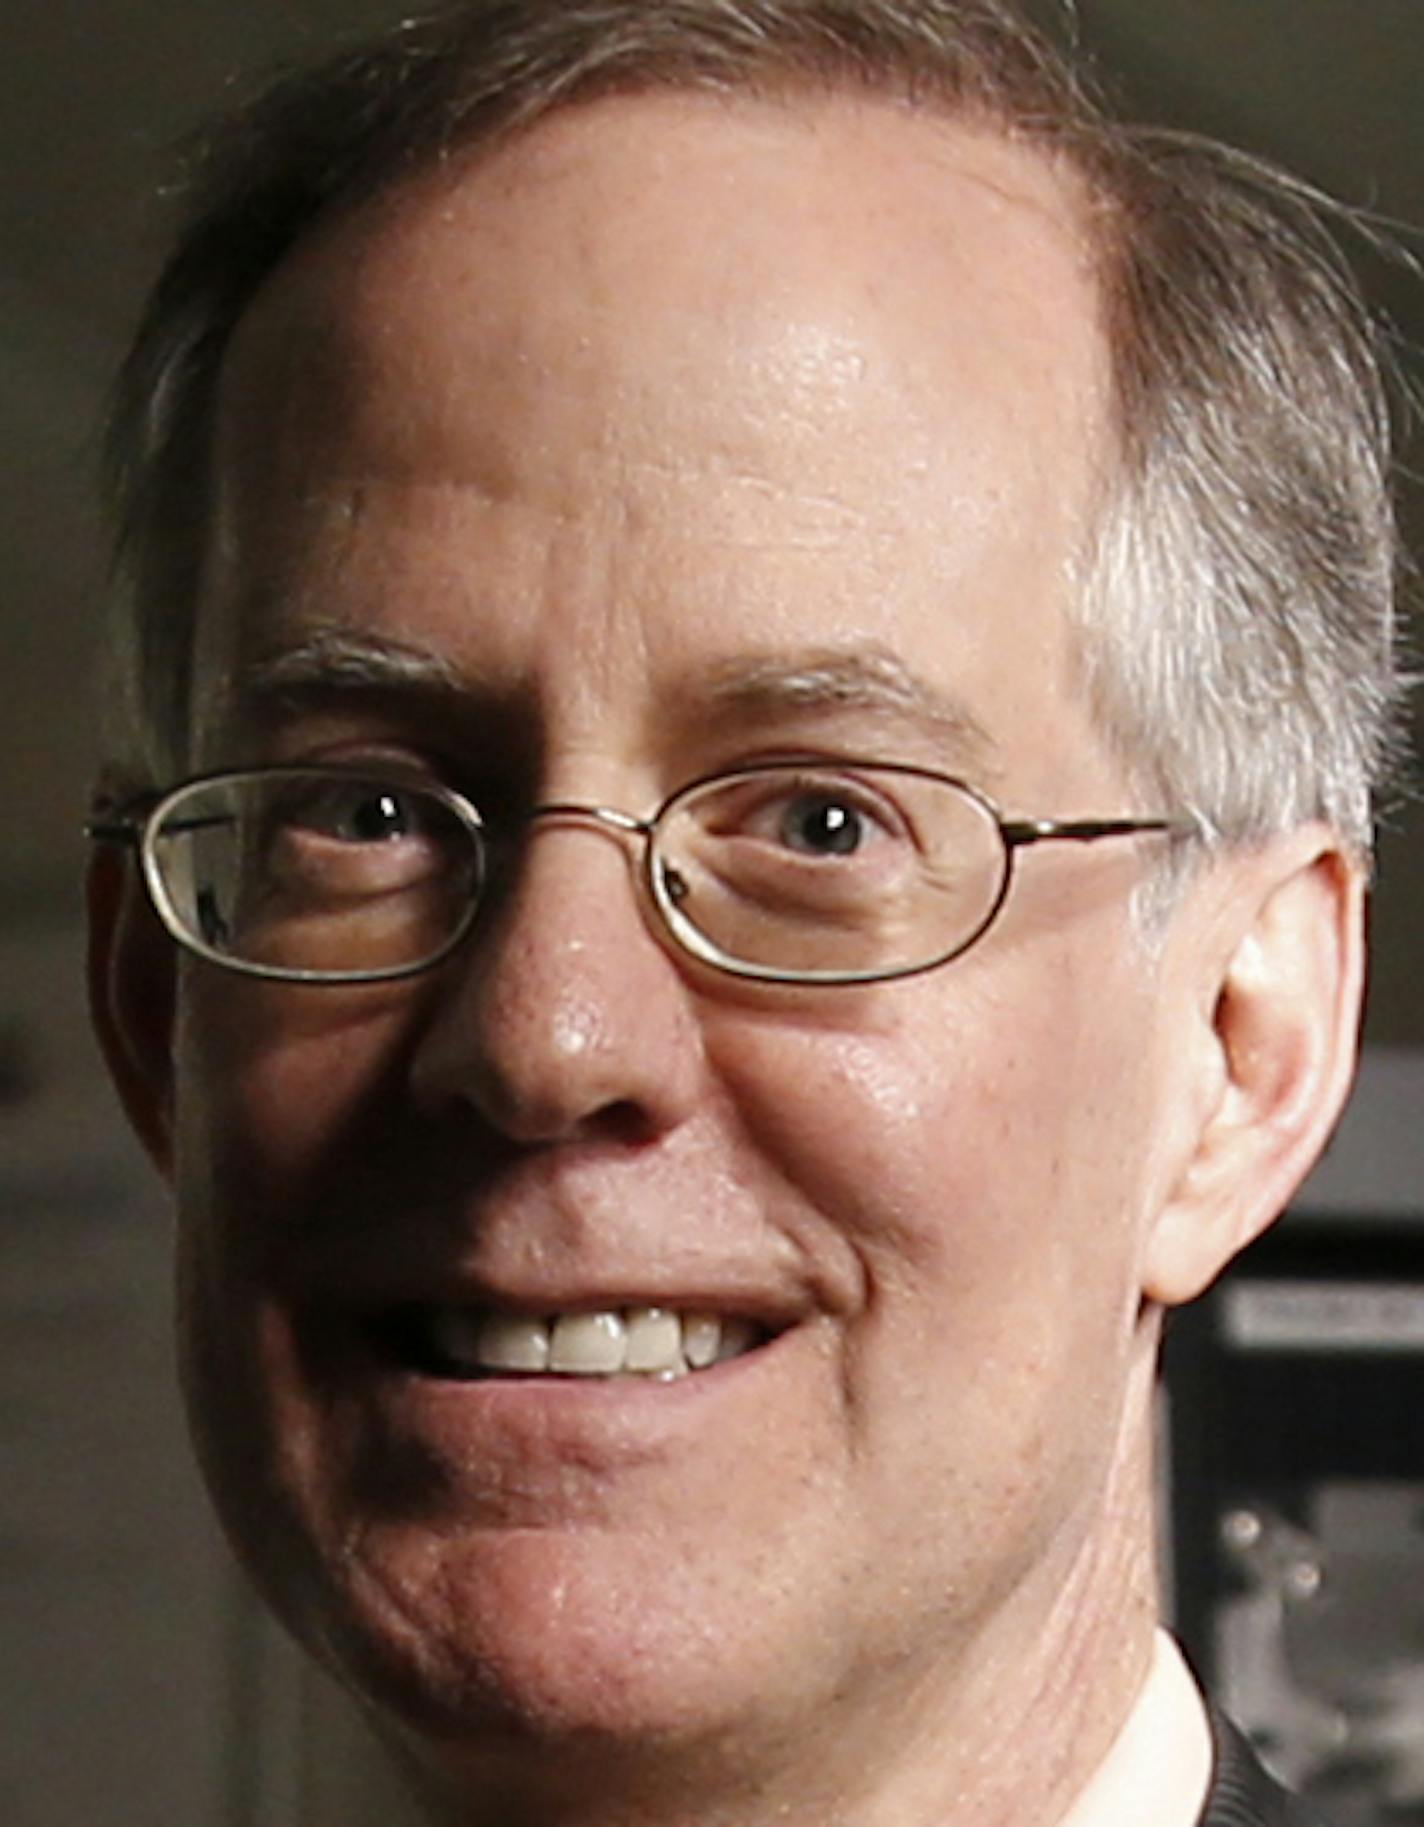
[(135, 823)]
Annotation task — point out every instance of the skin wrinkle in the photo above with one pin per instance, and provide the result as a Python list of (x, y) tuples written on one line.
[(837, 513), (337, 663)]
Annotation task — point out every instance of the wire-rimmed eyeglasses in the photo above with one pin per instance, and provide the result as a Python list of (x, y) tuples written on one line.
[(802, 871)]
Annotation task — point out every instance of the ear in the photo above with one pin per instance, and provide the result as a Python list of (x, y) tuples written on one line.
[(1278, 1016), (131, 969)]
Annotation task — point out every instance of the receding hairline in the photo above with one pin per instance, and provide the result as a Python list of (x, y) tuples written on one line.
[(264, 182), (1058, 186), (1246, 248)]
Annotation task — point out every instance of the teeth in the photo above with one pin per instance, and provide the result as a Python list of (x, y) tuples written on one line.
[(654, 1342), (587, 1343), (738, 1335), (701, 1339), (502, 1341)]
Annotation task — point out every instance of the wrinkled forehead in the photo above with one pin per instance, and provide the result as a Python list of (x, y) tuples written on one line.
[(811, 237), (762, 324)]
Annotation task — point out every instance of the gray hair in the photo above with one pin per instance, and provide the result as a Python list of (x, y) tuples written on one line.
[(1236, 607)]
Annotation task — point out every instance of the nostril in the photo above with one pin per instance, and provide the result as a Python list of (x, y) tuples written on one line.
[(624, 1121)]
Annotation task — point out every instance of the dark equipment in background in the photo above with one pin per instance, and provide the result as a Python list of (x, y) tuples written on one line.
[(1295, 1412)]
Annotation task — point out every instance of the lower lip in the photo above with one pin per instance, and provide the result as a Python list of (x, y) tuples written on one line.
[(546, 1415), (619, 1386)]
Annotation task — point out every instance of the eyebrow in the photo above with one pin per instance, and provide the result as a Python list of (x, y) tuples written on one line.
[(868, 679), (339, 660)]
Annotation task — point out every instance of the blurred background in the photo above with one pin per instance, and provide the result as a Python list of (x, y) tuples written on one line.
[(136, 1684)]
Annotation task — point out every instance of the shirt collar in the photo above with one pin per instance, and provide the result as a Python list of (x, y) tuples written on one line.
[(1158, 1769)]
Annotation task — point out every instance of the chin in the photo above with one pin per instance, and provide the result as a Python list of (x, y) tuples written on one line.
[(606, 1650)]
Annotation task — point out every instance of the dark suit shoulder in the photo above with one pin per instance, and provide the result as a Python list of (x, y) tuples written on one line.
[(1242, 1793)]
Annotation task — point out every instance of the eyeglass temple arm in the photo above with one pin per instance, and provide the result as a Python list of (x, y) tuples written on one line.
[(1024, 831), (125, 831), (119, 820), (128, 827)]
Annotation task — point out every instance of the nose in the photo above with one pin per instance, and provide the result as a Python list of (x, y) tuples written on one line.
[(563, 1016)]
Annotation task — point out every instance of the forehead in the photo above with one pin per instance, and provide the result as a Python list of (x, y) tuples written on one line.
[(800, 356)]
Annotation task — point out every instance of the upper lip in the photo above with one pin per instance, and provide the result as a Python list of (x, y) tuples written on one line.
[(773, 1312), (371, 1280), (545, 1239)]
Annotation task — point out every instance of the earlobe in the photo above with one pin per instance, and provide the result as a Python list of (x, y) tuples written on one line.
[(131, 997), (1283, 1026)]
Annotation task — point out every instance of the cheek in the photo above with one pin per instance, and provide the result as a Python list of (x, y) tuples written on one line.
[(965, 1155), (972, 1150), (277, 1085), (277, 1080)]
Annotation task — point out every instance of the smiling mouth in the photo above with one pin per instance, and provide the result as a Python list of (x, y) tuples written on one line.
[(471, 1344)]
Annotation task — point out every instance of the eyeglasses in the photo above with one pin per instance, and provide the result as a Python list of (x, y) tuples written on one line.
[(802, 871)]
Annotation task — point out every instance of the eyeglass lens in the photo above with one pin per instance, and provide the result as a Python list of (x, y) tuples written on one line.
[(315, 873), (794, 870), (830, 871)]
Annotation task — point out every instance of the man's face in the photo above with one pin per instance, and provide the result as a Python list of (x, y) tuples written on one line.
[(677, 434)]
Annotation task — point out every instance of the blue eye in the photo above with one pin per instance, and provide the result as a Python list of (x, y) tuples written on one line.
[(367, 834), (821, 824), (371, 818), (361, 813)]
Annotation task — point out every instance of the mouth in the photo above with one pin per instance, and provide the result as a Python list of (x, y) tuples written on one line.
[(472, 1344)]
